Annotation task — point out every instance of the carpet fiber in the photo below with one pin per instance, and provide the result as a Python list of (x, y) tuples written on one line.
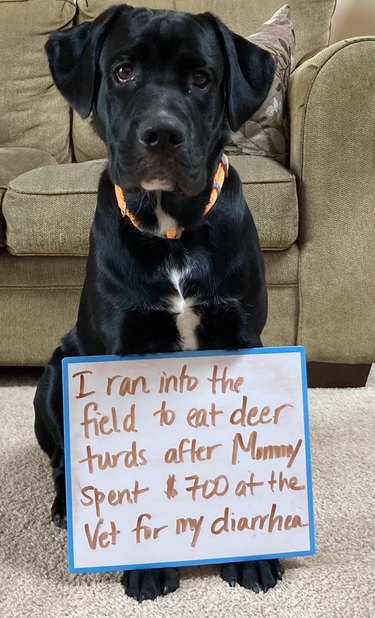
[(337, 582)]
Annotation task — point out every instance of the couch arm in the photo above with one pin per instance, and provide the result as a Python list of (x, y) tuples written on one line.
[(332, 116)]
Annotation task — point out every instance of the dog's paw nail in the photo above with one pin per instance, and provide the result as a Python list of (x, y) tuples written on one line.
[(232, 582)]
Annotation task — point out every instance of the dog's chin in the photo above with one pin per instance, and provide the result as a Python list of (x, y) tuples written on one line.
[(180, 188), (158, 184), (183, 185)]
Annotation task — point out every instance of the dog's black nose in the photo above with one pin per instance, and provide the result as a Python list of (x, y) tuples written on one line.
[(162, 134)]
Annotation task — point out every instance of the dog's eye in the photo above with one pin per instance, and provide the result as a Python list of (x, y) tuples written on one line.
[(124, 73), (200, 79)]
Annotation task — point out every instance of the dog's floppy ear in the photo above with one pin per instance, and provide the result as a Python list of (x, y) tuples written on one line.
[(73, 57), (249, 74)]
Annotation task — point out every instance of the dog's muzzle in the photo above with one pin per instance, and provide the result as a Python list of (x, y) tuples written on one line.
[(162, 139)]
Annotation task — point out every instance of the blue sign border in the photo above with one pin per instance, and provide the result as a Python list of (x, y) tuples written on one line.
[(123, 567)]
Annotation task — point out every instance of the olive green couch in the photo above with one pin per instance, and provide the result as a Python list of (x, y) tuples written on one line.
[(315, 218)]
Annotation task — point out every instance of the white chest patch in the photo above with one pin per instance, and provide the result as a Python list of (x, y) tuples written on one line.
[(187, 320)]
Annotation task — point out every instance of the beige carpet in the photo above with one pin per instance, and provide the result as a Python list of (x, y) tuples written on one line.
[(337, 582)]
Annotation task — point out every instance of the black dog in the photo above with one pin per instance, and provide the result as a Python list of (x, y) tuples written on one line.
[(163, 274)]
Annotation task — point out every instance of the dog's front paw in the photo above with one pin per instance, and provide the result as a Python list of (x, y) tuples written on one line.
[(257, 575), (150, 583), (58, 512)]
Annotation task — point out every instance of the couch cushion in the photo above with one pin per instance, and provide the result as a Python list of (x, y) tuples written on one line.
[(39, 299), (311, 21), (48, 211), (271, 194), (16, 161), (87, 144), (311, 18), (32, 112)]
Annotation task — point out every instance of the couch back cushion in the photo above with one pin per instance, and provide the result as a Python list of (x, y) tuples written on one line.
[(49, 211), (311, 20), (32, 112)]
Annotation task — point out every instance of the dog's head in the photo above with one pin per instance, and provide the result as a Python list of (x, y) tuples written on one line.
[(162, 88)]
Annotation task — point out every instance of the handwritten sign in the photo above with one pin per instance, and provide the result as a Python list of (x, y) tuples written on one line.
[(187, 458)]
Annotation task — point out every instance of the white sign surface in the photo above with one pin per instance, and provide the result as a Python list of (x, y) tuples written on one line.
[(187, 458)]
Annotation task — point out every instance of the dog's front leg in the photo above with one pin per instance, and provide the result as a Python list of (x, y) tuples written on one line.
[(256, 575), (49, 431), (227, 330), (147, 584), (135, 337)]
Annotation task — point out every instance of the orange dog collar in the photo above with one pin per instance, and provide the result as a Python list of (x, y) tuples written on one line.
[(173, 233)]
